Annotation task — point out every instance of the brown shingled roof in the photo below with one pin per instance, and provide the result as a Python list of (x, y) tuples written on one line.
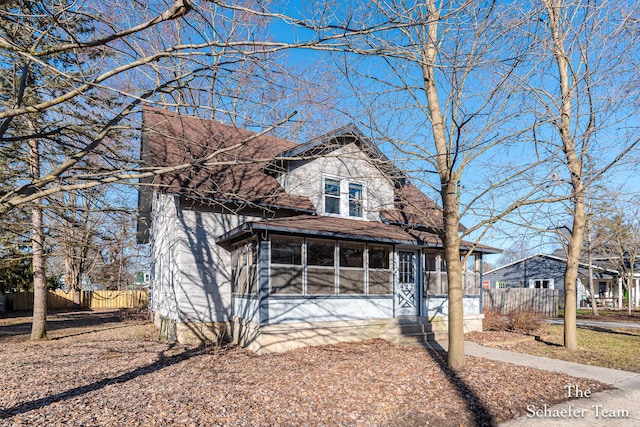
[(228, 164), (345, 228), (232, 169)]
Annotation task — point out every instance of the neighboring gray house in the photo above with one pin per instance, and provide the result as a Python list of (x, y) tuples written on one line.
[(284, 244), (547, 271)]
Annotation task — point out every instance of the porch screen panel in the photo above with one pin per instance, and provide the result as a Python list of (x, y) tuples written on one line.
[(243, 270), (471, 276), (352, 268), (235, 269), (286, 265), (242, 276), (321, 281), (431, 273), (380, 278), (252, 270), (321, 270), (286, 280)]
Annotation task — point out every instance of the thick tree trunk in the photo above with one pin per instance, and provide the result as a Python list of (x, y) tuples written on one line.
[(39, 325), (574, 166), (571, 276), (455, 356), (448, 192)]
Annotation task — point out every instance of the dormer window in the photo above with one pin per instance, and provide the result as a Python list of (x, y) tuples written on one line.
[(355, 199), (343, 197), (332, 196)]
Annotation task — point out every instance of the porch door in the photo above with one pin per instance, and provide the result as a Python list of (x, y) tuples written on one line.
[(407, 289)]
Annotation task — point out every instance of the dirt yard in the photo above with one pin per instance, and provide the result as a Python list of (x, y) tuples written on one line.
[(106, 369)]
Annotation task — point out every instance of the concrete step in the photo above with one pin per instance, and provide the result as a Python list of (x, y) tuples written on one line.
[(409, 339), (410, 330)]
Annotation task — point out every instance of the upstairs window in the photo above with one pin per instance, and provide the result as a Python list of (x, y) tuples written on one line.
[(355, 199), (342, 197), (332, 196)]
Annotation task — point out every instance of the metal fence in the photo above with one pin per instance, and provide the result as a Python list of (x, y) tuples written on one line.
[(544, 301), (58, 299)]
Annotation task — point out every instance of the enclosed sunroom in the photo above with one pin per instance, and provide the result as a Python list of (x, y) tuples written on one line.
[(313, 280)]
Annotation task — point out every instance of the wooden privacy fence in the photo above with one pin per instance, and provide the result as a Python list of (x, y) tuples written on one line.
[(85, 299), (544, 301)]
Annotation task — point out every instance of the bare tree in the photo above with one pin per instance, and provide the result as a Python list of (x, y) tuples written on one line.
[(81, 70), (582, 89), (443, 93)]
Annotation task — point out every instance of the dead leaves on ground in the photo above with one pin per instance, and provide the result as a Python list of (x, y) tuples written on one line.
[(107, 378)]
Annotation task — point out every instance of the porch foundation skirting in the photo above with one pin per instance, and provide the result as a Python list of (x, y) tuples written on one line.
[(276, 338), (190, 332), (472, 323), (280, 337)]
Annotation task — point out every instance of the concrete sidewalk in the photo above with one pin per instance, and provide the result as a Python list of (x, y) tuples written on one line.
[(598, 323), (619, 407)]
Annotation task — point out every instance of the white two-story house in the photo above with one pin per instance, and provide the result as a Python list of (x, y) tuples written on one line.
[(278, 244)]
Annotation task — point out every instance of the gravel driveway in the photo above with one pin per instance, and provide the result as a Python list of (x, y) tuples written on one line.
[(106, 369)]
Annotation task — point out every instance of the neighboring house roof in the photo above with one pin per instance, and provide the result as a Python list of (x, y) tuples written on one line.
[(344, 228), (551, 257)]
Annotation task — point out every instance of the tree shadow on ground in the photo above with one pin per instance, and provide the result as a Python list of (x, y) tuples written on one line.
[(539, 339), (59, 320), (607, 330), (162, 362), (481, 415)]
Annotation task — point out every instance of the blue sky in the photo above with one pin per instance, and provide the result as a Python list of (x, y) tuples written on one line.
[(609, 139)]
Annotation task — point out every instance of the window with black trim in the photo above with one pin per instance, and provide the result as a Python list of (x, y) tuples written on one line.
[(542, 284)]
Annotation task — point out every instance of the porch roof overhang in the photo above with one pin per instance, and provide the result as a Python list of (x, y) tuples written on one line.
[(347, 229)]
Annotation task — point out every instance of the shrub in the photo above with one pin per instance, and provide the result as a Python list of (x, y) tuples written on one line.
[(527, 322), (495, 321)]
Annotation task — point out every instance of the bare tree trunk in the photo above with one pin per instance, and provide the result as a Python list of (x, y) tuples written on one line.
[(39, 325), (574, 166), (448, 192), (455, 356), (571, 277)]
